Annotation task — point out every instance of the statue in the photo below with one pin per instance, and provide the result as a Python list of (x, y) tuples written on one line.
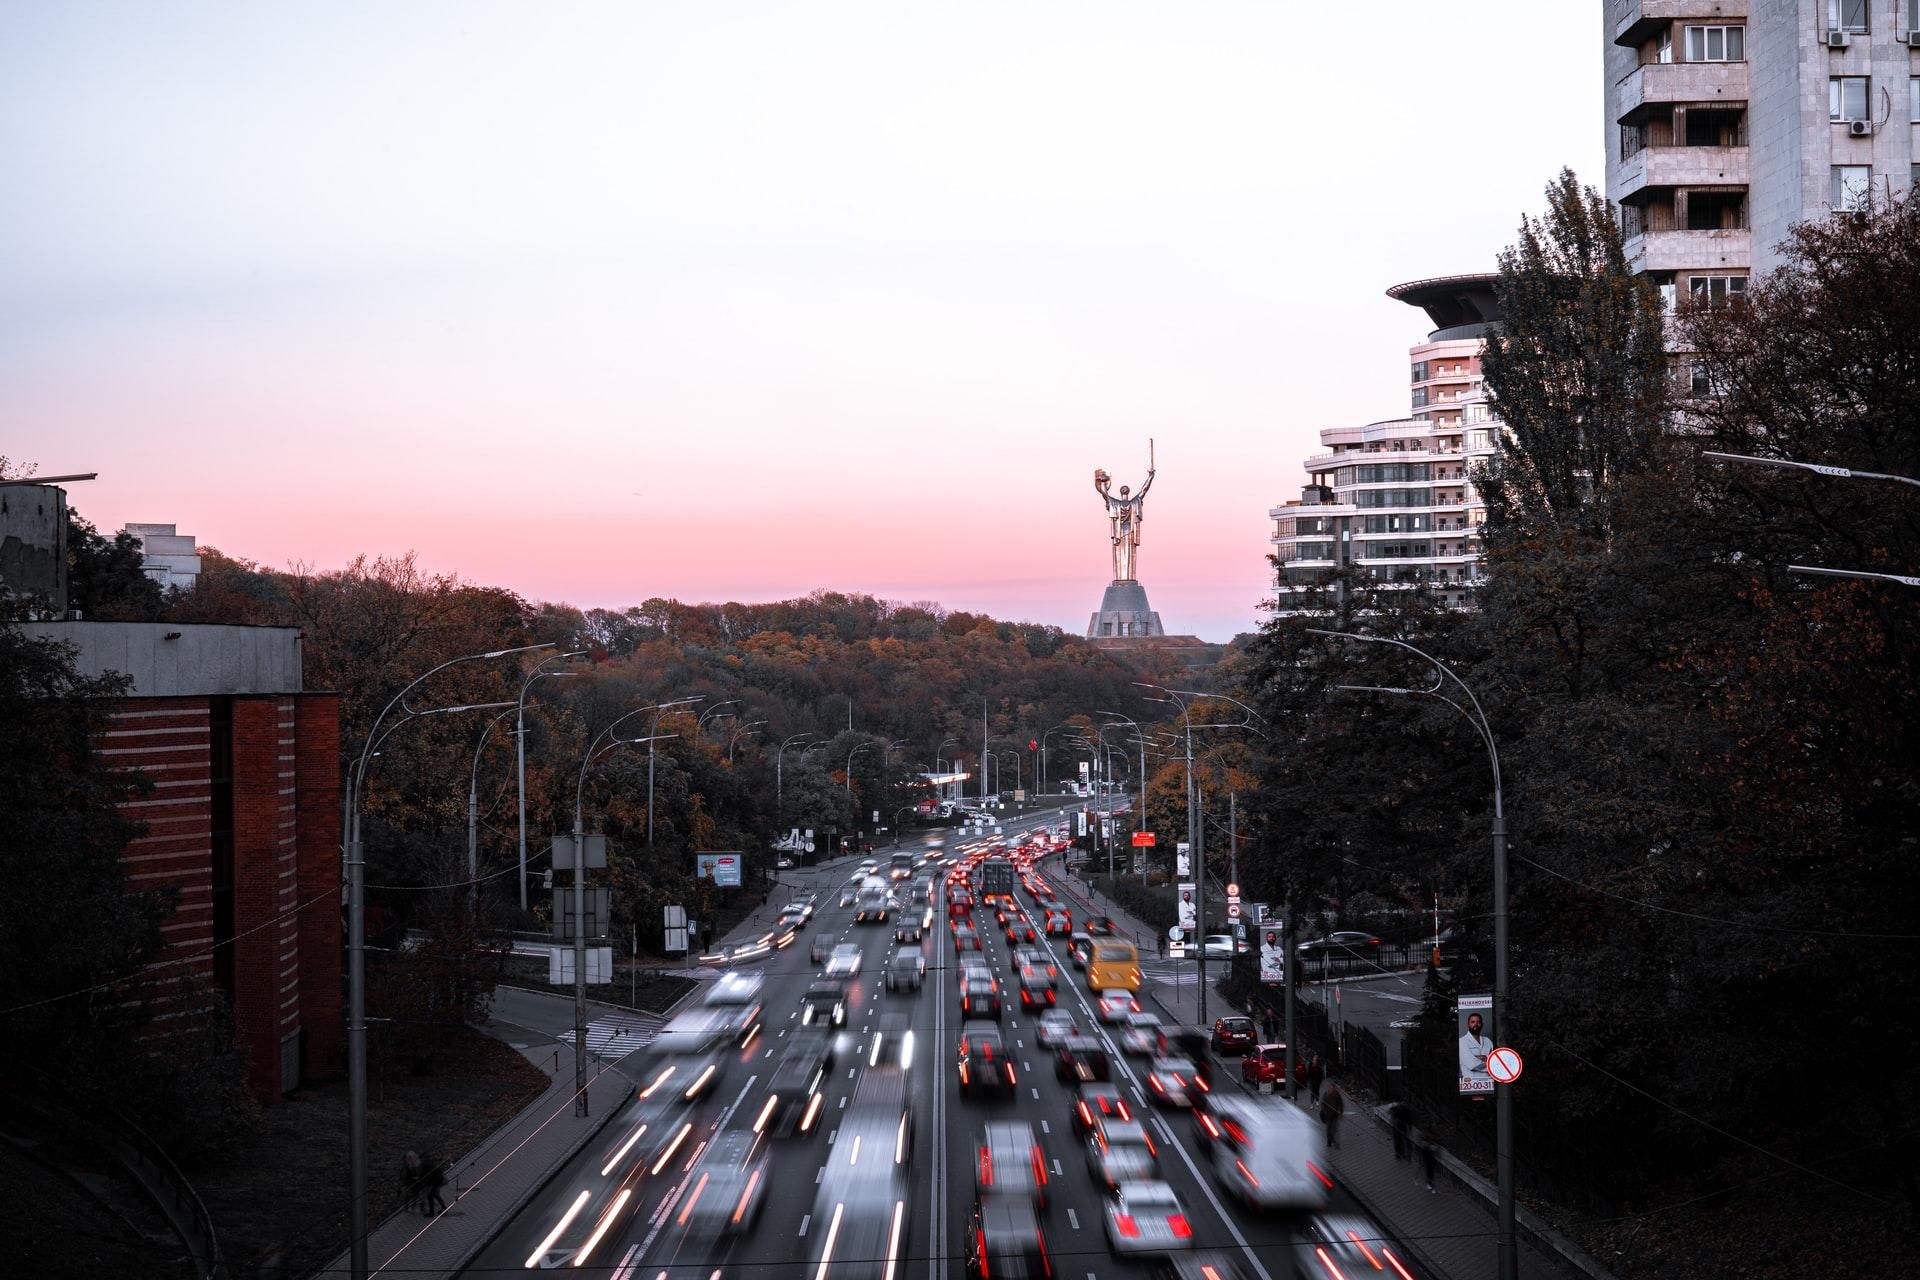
[(1126, 515)]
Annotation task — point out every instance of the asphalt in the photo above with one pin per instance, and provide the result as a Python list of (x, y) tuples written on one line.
[(615, 1208)]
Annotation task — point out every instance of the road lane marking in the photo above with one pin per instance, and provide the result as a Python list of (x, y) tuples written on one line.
[(819, 1174), (1045, 1127), (805, 1219), (1073, 1220)]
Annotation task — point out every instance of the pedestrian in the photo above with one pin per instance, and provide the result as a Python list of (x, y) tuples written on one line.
[(1397, 1114), (1333, 1108), (435, 1178), (1424, 1142), (410, 1181), (1316, 1074)]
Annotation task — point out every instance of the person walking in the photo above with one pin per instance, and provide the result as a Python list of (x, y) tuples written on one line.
[(410, 1180), (1424, 1142), (1316, 1074), (435, 1178), (1333, 1109), (1402, 1147)]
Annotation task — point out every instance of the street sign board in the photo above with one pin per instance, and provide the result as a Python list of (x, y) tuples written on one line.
[(721, 868), (596, 852), (597, 900), (1503, 1064), (1175, 933), (1176, 951), (1233, 908), (1143, 838)]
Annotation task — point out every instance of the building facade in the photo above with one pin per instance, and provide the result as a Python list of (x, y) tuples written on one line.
[(1727, 121), (168, 556), (1395, 500)]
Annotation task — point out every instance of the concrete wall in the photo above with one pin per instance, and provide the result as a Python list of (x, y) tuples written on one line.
[(33, 542), (184, 660)]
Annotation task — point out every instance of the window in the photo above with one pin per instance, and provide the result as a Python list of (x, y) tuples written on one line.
[(1846, 15), (1913, 95), (1419, 397), (1715, 291), (1716, 44), (1663, 47), (1851, 183), (1420, 371), (1847, 98)]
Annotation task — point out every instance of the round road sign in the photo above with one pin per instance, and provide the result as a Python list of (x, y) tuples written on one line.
[(1176, 933), (1503, 1064)]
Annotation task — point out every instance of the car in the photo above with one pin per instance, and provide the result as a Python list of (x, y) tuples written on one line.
[(1007, 1161), (783, 864), (1204, 1264), (909, 931), (791, 920), (980, 998), (819, 949), (1233, 1034), (1268, 1153), (1116, 1006), (1020, 931), (1120, 1151), (825, 1002), (906, 969), (1100, 926), (1346, 1244), (1005, 1241), (1146, 1217), (1053, 1027), (1173, 1082), (1266, 1064), (847, 896), (966, 938), (1345, 943), (1036, 993), (733, 1178), (1082, 1058), (892, 1043), (1025, 958), (983, 1063), (843, 961), (1221, 946), (1059, 923), (1096, 1102), (1142, 1035), (1079, 950)]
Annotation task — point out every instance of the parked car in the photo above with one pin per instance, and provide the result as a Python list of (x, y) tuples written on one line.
[(1347, 942), (1267, 1064), (1233, 1035)]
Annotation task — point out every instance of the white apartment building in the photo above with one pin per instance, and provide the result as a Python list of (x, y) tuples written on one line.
[(1727, 121), (1394, 500), (167, 556)]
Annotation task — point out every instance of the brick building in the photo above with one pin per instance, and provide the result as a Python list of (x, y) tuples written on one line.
[(243, 821)]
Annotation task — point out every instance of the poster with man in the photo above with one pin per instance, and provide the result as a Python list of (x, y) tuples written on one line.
[(1183, 859), (1474, 1015), (1273, 956), (1189, 909)]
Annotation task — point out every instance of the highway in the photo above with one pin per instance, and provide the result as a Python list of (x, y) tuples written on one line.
[(626, 1206)]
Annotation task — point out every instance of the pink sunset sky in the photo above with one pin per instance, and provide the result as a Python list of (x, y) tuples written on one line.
[(736, 300)]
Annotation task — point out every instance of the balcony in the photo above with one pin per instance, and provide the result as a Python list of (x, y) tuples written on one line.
[(1681, 167), (1690, 250), (1675, 82), (1644, 19)]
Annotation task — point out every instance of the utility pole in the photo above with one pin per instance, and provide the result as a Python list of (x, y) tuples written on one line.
[(983, 751), (1286, 974)]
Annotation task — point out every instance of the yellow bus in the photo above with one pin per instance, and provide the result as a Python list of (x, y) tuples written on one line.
[(1113, 965)]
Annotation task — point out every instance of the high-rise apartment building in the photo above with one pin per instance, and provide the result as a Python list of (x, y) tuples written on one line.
[(1395, 500), (1727, 121)]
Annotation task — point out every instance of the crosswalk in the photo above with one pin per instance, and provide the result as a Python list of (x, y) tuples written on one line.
[(1170, 973), (618, 1034)]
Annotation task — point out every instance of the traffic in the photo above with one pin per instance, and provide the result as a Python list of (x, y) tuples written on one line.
[(954, 1070)]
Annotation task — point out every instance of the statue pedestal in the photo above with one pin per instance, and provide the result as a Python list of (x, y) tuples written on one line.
[(1124, 612)]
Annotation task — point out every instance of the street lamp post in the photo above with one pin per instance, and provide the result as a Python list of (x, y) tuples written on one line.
[(473, 816), (1509, 1255), (539, 671), (652, 737), (1064, 724), (1838, 473), (779, 759), (357, 961), (738, 732), (702, 721)]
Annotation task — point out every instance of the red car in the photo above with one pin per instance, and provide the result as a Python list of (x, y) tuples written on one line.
[(1233, 1035), (1267, 1064), (1019, 932)]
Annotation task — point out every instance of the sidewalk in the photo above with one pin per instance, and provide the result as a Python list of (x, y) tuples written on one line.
[(1451, 1229), (491, 1183)]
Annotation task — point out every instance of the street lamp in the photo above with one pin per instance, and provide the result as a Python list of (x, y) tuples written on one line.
[(701, 722), (1839, 473), (1509, 1256), (1064, 724), (357, 959), (740, 731), (473, 815), (653, 737), (539, 671), (779, 759)]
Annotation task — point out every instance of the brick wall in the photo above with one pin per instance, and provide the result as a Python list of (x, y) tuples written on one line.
[(266, 961), (317, 804), (168, 739)]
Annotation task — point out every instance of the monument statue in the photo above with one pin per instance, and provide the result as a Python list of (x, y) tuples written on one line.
[(1126, 514)]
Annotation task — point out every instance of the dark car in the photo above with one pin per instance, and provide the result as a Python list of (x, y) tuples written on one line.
[(1005, 1241), (1080, 1059), (1019, 932), (984, 1065), (1008, 1162), (824, 1003), (908, 931), (1036, 993), (1232, 1035), (1345, 943), (1100, 925), (980, 998), (966, 938), (1097, 1102)]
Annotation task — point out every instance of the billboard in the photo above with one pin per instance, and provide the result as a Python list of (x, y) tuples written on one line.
[(1182, 859), (1273, 955), (1189, 910), (721, 868), (1474, 1016)]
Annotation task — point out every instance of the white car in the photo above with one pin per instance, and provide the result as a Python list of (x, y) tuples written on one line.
[(1146, 1217), (1173, 1082), (1053, 1026), (783, 864), (843, 961), (1143, 1035), (1114, 1006)]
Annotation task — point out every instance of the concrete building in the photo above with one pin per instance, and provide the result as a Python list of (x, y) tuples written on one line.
[(1394, 500), (33, 547), (1727, 121), (169, 557)]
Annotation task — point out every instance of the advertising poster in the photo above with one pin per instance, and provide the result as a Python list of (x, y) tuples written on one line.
[(1183, 859), (1189, 909), (1273, 956), (1474, 1015), (721, 868)]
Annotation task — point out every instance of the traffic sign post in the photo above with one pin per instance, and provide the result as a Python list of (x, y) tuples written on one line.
[(1504, 1065)]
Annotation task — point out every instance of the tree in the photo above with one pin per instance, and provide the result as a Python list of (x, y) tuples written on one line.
[(106, 577)]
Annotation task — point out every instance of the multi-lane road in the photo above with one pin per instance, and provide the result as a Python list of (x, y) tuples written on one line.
[(619, 1208)]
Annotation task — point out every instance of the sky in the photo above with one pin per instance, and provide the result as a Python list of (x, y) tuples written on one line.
[(736, 300)]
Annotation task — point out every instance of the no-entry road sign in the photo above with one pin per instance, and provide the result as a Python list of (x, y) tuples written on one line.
[(1503, 1064)]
